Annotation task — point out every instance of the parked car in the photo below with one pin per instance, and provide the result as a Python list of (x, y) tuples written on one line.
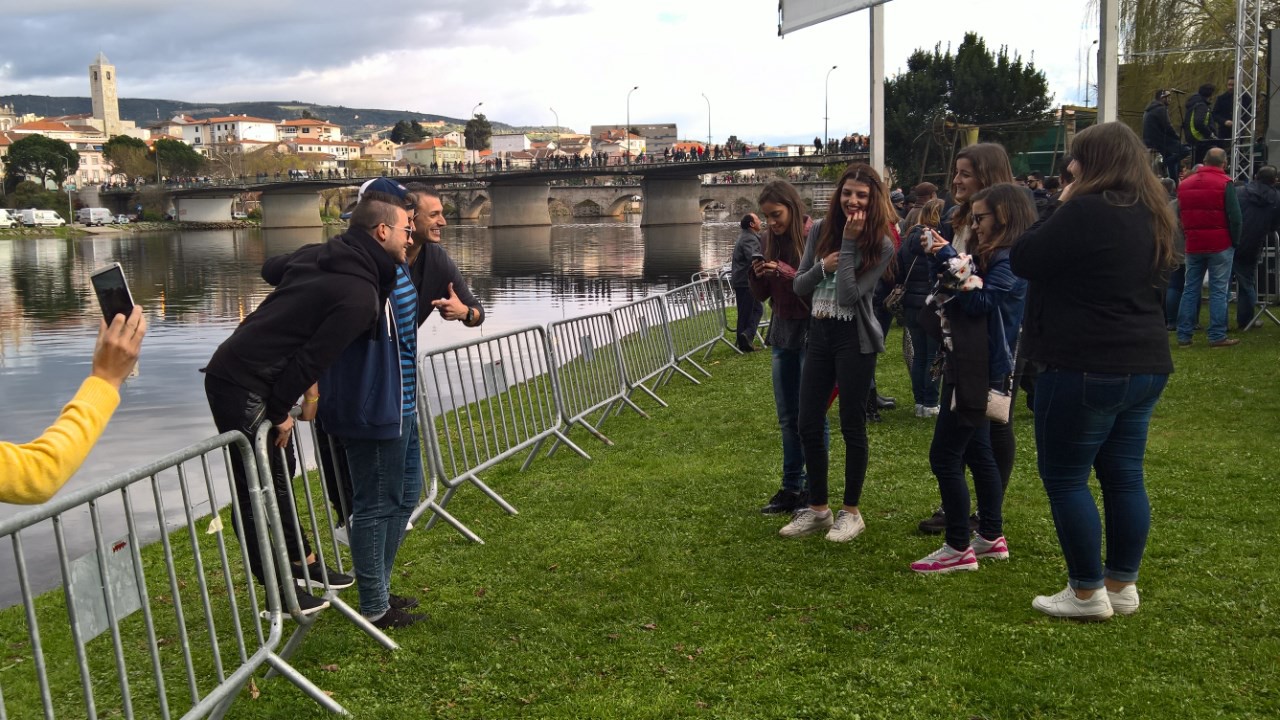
[(239, 216), (122, 219), (31, 217), (94, 216)]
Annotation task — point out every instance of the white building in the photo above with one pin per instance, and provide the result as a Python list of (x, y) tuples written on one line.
[(510, 142), (306, 129), (229, 129)]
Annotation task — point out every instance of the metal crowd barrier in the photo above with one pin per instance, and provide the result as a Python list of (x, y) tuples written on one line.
[(305, 514), (644, 336), (587, 366), (695, 317), (484, 401), (200, 624), (725, 278)]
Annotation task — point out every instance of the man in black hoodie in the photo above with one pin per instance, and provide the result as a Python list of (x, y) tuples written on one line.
[(1260, 215), (326, 296), (1159, 135), (1198, 123)]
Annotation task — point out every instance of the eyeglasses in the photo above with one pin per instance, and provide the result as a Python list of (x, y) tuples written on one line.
[(408, 231), (977, 218)]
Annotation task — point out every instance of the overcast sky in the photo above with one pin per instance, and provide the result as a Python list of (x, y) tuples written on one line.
[(522, 58)]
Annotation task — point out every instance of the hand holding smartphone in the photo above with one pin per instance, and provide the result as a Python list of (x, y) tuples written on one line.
[(115, 299), (112, 291)]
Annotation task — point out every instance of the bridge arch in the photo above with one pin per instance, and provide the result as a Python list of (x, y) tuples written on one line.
[(618, 207), (473, 208)]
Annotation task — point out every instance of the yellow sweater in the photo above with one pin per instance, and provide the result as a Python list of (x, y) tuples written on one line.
[(32, 473)]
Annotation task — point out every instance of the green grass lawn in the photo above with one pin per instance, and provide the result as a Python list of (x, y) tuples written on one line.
[(645, 583)]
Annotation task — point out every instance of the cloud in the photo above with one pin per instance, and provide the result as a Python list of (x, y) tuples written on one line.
[(524, 58)]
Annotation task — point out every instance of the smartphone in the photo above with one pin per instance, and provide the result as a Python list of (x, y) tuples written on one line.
[(112, 290), (757, 258)]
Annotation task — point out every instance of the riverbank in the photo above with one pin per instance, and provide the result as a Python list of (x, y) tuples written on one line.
[(645, 584)]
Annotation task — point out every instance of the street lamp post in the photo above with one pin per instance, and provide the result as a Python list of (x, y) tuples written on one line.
[(66, 169), (1087, 69), (704, 97), (626, 131), (825, 105), (553, 112)]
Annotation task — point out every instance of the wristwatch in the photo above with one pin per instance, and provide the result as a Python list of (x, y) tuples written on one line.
[(471, 312)]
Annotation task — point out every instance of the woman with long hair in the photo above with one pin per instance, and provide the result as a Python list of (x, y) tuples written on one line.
[(977, 167), (917, 283), (1097, 267), (979, 319), (846, 255), (783, 245)]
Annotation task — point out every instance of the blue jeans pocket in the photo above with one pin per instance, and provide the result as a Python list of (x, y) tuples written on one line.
[(1104, 393)]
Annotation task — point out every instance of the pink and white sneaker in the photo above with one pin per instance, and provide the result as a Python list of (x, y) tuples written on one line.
[(946, 559), (997, 549)]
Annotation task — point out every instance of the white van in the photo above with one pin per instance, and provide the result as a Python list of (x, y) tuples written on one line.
[(41, 218), (94, 216), (6, 220)]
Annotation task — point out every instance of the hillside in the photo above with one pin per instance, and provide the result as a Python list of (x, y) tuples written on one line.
[(354, 121)]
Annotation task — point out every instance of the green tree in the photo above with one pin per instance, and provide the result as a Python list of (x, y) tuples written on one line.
[(307, 114), (419, 132), (406, 132), (40, 159), (477, 132), (177, 158), (1007, 98), (129, 157)]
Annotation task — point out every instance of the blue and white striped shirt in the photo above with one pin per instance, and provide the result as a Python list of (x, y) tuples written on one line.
[(405, 302)]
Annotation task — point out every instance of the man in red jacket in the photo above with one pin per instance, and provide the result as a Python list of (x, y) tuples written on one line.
[(1210, 217)]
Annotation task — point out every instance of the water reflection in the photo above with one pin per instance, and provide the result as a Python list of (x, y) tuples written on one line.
[(197, 286)]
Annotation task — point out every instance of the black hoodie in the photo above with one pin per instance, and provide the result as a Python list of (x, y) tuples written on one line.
[(1260, 214), (1157, 131), (326, 296)]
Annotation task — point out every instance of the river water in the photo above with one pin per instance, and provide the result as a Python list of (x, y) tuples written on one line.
[(196, 287)]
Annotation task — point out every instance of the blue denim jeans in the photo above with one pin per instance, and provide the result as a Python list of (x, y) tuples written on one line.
[(787, 365), (923, 350), (386, 477), (1099, 421), (1246, 292), (1218, 266), (956, 444)]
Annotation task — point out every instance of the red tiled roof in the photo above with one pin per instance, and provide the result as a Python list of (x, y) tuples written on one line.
[(306, 121), (235, 119), (52, 126)]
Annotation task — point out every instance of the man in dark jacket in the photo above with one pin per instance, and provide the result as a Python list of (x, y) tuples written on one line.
[(440, 285), (369, 400), (750, 310), (1224, 108), (1198, 123), (326, 296), (1159, 135), (1260, 216)]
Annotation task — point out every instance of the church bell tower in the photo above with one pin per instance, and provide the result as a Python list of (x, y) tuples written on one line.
[(102, 86)]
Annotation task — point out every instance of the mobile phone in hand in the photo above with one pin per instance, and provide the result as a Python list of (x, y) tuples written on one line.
[(757, 257), (112, 291)]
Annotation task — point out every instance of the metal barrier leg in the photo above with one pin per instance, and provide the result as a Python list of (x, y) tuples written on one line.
[(444, 500), (562, 439), (284, 669), (650, 393), (439, 512), (475, 480)]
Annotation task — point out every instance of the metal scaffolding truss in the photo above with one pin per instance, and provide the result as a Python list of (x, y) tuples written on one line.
[(1244, 119)]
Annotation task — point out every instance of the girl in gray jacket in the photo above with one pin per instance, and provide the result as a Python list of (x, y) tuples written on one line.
[(845, 257)]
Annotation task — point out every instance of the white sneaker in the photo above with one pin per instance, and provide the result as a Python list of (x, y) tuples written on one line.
[(919, 410), (807, 521), (1126, 601), (1066, 605), (847, 527), (930, 411), (340, 534)]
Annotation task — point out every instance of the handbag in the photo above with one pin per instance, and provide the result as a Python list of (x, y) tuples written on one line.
[(893, 301), (999, 402)]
